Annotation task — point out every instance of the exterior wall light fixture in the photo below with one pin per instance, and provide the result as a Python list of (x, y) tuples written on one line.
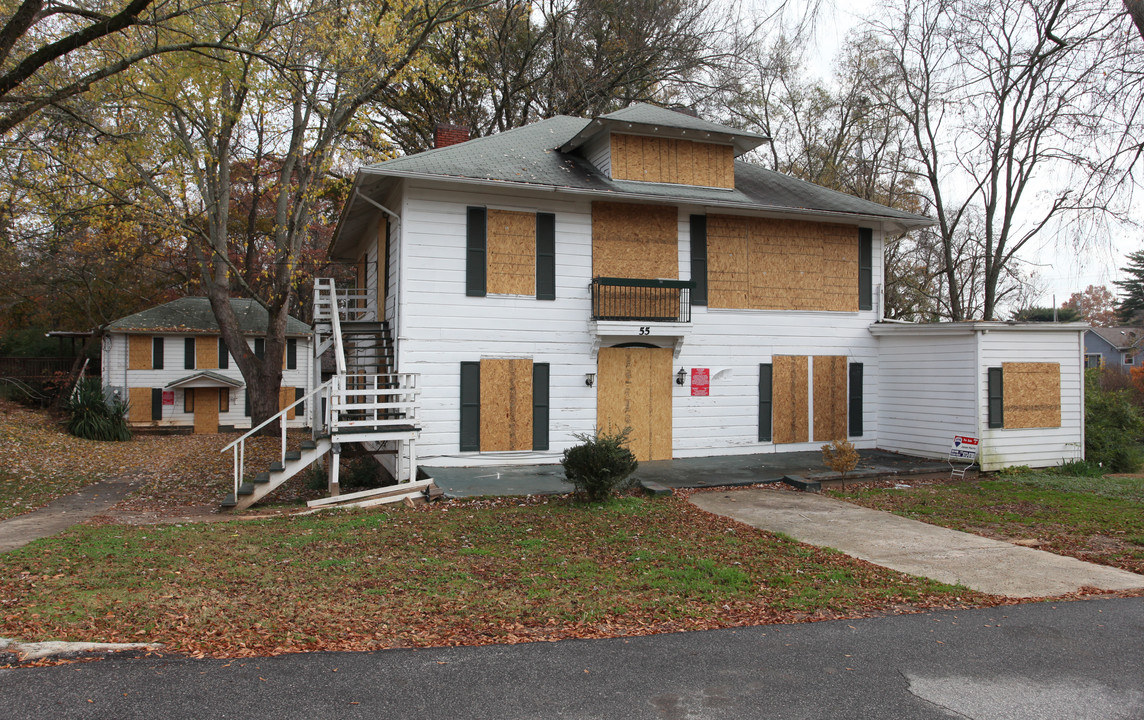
[(680, 377), (589, 379)]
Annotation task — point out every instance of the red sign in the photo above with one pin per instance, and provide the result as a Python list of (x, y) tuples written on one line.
[(964, 448), (168, 397), (701, 381)]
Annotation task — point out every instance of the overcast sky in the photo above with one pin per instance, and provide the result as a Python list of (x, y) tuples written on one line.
[(1062, 268)]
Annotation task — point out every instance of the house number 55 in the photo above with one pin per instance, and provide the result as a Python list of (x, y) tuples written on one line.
[(645, 330)]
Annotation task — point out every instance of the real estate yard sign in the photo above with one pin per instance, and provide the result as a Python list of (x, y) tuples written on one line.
[(964, 448)]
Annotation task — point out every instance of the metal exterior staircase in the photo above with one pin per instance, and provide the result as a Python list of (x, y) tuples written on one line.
[(364, 402)]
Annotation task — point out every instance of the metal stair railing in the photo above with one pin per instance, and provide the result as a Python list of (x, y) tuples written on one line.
[(239, 445)]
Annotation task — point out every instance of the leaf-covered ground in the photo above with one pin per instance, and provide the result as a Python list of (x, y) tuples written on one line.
[(1095, 519), (40, 461), (475, 572)]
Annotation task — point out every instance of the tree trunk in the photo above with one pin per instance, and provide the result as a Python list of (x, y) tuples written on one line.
[(1135, 10)]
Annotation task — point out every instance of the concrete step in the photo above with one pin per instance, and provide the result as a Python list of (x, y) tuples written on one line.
[(262, 478), (229, 501), (293, 455), (246, 489), (276, 467)]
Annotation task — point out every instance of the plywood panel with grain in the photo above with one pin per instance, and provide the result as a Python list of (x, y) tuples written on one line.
[(511, 252), (206, 410), (635, 241), (506, 405), (1032, 394), (633, 390), (790, 396), (829, 398), (139, 352), (206, 353), (139, 404)]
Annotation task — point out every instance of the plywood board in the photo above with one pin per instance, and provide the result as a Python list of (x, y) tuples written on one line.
[(672, 160), (206, 411), (633, 390), (511, 252), (728, 276), (829, 398), (1031, 394), (635, 241), (139, 353), (139, 403), (506, 405), (206, 353), (790, 398), (285, 398)]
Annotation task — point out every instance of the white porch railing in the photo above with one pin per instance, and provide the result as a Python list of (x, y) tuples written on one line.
[(360, 403), (239, 445)]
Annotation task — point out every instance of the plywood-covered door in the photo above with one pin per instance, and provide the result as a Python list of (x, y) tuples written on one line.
[(206, 411), (633, 389)]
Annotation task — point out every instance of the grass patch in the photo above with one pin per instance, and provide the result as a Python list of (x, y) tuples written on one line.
[(462, 573), (1099, 519)]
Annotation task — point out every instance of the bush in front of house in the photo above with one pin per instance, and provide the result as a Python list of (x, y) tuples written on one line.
[(600, 465), (1113, 426), (840, 456), (94, 417)]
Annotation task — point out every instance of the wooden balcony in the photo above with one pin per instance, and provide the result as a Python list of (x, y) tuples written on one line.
[(622, 299)]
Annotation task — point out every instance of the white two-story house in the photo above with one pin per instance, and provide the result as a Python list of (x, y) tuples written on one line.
[(627, 271)]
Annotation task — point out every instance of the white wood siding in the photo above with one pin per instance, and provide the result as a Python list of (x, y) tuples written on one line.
[(116, 375), (599, 152), (1035, 447), (927, 393), (442, 327)]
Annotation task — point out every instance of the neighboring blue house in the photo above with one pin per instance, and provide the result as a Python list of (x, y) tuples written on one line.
[(1113, 347)]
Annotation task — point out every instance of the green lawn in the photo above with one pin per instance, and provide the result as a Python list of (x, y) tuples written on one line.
[(459, 573), (1096, 519)]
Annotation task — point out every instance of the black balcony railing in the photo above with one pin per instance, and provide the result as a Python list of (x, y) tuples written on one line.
[(632, 299)]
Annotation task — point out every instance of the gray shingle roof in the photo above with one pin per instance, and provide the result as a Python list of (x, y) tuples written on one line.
[(193, 315), (645, 114), (529, 156), (1121, 338)]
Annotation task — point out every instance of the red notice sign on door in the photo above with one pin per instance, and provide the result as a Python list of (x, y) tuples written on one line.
[(701, 381)]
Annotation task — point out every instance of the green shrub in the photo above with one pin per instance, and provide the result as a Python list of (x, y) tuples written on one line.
[(1113, 426), (1080, 468), (600, 466), (93, 417)]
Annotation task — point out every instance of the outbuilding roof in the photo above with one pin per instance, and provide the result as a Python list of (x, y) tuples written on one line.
[(193, 315), (543, 156)]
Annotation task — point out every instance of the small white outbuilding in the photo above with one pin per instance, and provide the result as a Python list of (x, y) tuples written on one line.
[(1017, 387)]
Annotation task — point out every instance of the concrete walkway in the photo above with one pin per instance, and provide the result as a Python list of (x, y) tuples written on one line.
[(913, 547), (62, 513)]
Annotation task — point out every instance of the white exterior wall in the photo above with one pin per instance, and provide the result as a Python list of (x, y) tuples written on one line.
[(928, 392), (598, 152), (116, 375), (440, 327), (1035, 447)]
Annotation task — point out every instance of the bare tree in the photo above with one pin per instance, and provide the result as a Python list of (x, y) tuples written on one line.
[(998, 95)]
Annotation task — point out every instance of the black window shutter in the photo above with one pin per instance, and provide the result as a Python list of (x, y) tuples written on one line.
[(292, 354), (475, 261), (699, 259), (189, 353), (539, 406), (996, 398), (470, 406), (260, 348), (855, 400), (545, 256), (299, 393), (765, 402), (865, 269), (156, 403), (223, 355), (246, 403), (157, 353)]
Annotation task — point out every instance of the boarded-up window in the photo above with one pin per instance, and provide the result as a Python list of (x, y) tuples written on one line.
[(139, 404), (138, 352), (511, 252), (207, 353), (790, 394), (285, 399), (506, 405), (829, 397), (670, 160), (768, 264), (189, 400), (635, 241), (1032, 394)]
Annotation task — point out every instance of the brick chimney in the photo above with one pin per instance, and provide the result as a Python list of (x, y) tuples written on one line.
[(447, 135)]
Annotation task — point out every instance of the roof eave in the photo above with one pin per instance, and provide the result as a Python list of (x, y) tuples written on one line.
[(898, 224)]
